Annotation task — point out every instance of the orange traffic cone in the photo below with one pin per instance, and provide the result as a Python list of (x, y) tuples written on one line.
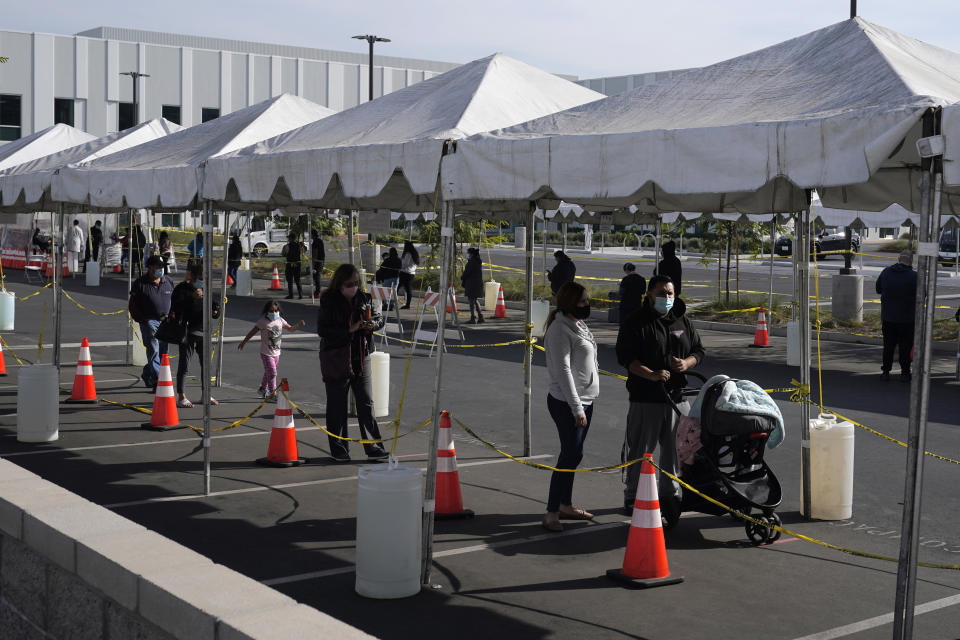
[(761, 338), (3, 365), (275, 283), (282, 450), (230, 280), (501, 309), (118, 268), (84, 389), (449, 501), (164, 416), (645, 561), (453, 296)]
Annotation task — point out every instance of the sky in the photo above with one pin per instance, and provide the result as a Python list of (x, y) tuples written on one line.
[(586, 39)]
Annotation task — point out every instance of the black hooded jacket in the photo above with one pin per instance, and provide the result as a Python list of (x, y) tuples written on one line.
[(653, 339)]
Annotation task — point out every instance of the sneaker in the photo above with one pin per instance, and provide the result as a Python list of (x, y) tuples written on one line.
[(627, 509), (884, 375), (480, 320), (378, 454), (905, 376), (343, 458)]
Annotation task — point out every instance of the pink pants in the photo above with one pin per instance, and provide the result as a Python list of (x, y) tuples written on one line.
[(269, 382)]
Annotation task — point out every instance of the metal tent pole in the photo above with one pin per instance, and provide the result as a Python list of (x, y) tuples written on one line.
[(656, 251), (528, 348), (931, 178), (773, 241), (429, 496), (129, 355), (564, 237), (57, 239), (207, 369), (802, 249), (350, 237), (544, 261), (223, 298)]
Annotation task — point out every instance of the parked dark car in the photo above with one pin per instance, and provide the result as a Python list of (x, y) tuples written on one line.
[(832, 239), (948, 246)]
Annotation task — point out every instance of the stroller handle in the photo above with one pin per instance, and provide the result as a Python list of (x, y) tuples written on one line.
[(685, 392)]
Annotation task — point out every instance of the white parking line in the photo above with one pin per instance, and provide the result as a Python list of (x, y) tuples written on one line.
[(123, 343), (879, 621), (307, 483)]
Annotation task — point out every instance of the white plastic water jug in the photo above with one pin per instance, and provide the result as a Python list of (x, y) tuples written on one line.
[(539, 311), (831, 469), (38, 404), (244, 283), (7, 306), (380, 382), (389, 512), (520, 237), (93, 274), (491, 290), (139, 358)]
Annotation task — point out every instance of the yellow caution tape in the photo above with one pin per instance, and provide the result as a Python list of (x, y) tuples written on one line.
[(96, 313), (799, 536), (7, 348), (35, 293), (343, 438)]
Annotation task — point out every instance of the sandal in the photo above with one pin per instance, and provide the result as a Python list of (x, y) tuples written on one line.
[(185, 404), (214, 403), (550, 525), (576, 514)]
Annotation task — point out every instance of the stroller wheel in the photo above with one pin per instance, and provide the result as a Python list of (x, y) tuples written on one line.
[(755, 532), (772, 534)]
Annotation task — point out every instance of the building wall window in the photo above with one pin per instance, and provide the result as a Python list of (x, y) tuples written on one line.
[(171, 112), (9, 118), (209, 113), (170, 219), (63, 111), (125, 116)]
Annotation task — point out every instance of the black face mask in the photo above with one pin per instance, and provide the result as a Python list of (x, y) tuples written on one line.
[(581, 313)]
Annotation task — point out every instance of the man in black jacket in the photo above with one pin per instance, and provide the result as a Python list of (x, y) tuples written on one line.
[(632, 288), (293, 251), (564, 271), (670, 266), (319, 256), (897, 286), (150, 300), (657, 344)]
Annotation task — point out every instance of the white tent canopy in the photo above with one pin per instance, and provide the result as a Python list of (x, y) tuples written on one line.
[(831, 110), (40, 144), (390, 148), (163, 174), (26, 187)]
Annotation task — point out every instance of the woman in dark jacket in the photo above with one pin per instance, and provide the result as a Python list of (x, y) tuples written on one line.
[(234, 257), (186, 306), (472, 282), (345, 323), (657, 344), (564, 271)]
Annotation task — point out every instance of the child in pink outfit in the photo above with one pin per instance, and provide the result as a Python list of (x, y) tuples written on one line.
[(271, 327)]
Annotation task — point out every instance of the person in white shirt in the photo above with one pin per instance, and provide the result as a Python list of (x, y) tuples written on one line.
[(574, 384), (74, 246)]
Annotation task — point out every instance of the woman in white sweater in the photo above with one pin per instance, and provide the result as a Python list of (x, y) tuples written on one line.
[(574, 385)]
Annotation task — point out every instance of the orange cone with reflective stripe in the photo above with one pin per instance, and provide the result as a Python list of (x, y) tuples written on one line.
[(452, 296), (449, 500), (282, 450), (501, 309), (3, 365), (645, 561), (761, 338), (275, 282), (230, 281), (84, 388), (164, 417)]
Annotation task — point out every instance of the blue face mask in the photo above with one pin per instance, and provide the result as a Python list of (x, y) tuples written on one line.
[(158, 273), (273, 315), (662, 305)]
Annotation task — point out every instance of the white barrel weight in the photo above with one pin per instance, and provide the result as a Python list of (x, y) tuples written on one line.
[(93, 274), (38, 404), (490, 291), (831, 468), (380, 381), (7, 308)]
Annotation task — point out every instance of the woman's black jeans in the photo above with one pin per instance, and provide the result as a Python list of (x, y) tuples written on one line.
[(571, 451), (191, 344), (337, 412), (405, 280)]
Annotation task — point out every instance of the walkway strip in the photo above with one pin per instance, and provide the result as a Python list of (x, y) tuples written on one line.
[(306, 483), (879, 621)]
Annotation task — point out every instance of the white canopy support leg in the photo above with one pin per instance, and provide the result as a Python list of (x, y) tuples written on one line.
[(773, 241), (206, 354), (931, 180), (57, 238), (801, 247), (129, 355), (528, 348), (544, 275), (222, 323), (429, 497)]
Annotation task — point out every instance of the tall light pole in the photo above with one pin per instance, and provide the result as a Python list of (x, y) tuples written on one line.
[(135, 75), (370, 40)]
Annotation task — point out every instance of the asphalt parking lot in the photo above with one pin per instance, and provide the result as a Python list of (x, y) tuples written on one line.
[(500, 572)]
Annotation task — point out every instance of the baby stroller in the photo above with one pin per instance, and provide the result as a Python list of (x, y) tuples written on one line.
[(723, 459)]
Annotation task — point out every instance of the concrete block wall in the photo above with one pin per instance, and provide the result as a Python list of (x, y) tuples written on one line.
[(71, 569)]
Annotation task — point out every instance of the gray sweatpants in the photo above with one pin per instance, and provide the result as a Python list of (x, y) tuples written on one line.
[(650, 423)]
